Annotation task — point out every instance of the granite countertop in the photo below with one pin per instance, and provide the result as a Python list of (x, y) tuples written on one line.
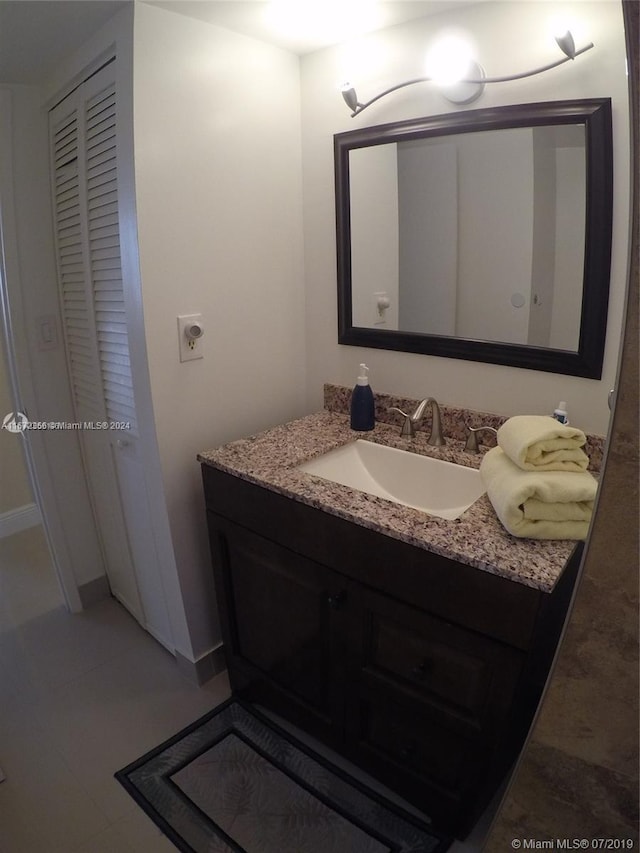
[(477, 538)]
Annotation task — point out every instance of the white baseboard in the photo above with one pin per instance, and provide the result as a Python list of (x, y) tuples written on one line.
[(19, 519), (208, 666)]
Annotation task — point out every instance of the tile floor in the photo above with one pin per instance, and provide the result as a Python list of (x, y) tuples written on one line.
[(82, 695)]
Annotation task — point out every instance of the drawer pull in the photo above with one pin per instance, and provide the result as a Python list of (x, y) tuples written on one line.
[(420, 670), (336, 601), (408, 753)]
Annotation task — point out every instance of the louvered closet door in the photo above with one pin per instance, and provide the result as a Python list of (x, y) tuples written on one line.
[(86, 217), (104, 257)]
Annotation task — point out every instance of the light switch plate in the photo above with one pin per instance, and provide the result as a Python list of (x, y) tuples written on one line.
[(47, 326)]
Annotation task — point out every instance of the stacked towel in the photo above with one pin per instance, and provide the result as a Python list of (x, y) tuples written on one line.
[(536, 479), (540, 443)]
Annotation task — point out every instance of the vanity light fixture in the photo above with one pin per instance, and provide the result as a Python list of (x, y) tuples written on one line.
[(469, 88)]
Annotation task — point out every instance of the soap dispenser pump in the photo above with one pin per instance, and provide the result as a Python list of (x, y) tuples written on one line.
[(560, 414), (362, 403)]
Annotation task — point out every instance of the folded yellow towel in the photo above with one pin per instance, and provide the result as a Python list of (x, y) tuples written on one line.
[(538, 505), (540, 443)]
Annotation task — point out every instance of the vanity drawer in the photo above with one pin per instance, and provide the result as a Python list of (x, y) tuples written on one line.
[(429, 752), (462, 676), (428, 765)]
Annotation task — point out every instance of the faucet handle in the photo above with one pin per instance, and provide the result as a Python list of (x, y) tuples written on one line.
[(472, 437), (408, 425)]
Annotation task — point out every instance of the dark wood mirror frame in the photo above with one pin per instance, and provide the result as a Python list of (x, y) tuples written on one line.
[(595, 114)]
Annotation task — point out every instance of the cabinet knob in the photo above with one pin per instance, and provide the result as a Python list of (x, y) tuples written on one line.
[(337, 600), (421, 669)]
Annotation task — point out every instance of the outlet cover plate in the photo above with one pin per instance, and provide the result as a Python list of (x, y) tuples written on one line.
[(189, 350)]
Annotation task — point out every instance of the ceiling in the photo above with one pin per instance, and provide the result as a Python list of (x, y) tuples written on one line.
[(302, 26), (35, 35)]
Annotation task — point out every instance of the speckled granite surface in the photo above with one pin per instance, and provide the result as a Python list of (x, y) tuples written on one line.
[(477, 538)]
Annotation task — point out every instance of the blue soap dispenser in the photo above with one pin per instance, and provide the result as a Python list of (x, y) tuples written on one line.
[(362, 405)]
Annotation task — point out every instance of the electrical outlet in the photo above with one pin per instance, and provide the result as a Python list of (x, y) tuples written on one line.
[(190, 332), (380, 305)]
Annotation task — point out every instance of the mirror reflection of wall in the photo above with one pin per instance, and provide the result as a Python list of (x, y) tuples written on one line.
[(421, 229)]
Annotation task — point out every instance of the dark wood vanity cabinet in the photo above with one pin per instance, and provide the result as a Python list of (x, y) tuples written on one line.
[(423, 671)]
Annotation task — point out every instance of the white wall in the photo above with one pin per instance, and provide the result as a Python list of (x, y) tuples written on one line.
[(511, 37), (496, 210), (569, 240), (428, 255), (15, 490), (374, 234), (545, 247), (218, 184)]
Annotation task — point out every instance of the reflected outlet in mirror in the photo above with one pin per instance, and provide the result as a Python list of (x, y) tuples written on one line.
[(421, 482)]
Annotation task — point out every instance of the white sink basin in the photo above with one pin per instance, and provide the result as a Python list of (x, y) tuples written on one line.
[(431, 485)]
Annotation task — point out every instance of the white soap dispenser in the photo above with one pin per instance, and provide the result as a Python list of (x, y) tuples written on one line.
[(561, 414)]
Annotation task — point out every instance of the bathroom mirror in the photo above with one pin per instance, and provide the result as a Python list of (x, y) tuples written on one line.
[(483, 235)]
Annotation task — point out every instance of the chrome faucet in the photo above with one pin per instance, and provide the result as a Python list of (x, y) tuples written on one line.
[(411, 421), (472, 437), (436, 437)]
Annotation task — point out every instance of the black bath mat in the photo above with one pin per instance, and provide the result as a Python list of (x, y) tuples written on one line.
[(235, 781)]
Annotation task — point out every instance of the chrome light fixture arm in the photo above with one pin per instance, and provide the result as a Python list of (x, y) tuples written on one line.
[(543, 68), (565, 43)]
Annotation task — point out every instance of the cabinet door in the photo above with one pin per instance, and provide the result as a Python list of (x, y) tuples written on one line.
[(283, 623)]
